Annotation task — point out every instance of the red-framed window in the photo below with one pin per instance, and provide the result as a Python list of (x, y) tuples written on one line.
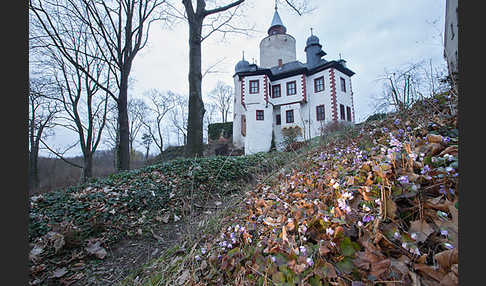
[(276, 91), (319, 84), (254, 86), (260, 115), (278, 119), (291, 88), (348, 113), (289, 116), (343, 85), (341, 109), (320, 113)]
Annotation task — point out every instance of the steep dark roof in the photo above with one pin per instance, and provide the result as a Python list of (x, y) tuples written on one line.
[(295, 68), (277, 27)]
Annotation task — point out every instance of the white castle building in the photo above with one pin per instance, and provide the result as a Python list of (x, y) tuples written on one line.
[(283, 92)]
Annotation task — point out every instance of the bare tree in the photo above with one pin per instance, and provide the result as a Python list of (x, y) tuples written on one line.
[(84, 103), (146, 142), (138, 112), (161, 104), (120, 29), (403, 86), (178, 116), (42, 115), (222, 95), (204, 19)]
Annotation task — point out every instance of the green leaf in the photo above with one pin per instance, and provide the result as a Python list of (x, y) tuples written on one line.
[(346, 246), (345, 265), (315, 281)]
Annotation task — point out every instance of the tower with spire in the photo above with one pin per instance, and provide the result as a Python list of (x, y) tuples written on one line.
[(278, 47), (282, 92)]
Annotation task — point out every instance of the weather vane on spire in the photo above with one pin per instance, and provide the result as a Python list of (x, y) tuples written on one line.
[(276, 2), (243, 55), (311, 32)]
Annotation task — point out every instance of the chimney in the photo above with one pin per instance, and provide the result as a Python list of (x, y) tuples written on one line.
[(280, 63)]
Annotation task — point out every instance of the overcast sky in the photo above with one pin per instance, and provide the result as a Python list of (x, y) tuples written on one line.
[(369, 35)]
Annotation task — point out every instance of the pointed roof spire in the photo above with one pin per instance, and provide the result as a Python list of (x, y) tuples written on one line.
[(277, 27)]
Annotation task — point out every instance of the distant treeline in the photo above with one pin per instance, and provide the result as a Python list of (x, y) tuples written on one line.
[(54, 173)]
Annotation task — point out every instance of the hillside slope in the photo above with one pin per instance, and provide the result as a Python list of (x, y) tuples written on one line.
[(377, 205), (80, 233)]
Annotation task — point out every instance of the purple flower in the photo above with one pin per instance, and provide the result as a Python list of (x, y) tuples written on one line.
[(425, 169), (396, 235), (302, 249), (444, 232), (446, 139), (309, 261), (273, 259), (197, 257), (403, 179), (203, 250), (442, 190), (396, 122), (448, 245), (368, 218)]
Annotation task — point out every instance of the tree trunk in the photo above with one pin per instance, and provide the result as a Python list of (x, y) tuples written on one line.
[(87, 167), (123, 150), (194, 145), (33, 169)]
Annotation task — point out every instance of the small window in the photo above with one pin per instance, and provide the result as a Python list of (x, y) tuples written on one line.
[(291, 88), (259, 115), (319, 84), (320, 113), (278, 119), (343, 85), (254, 86), (343, 116), (348, 113), (289, 115), (276, 91)]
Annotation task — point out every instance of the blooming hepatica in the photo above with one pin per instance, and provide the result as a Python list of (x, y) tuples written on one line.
[(403, 179)]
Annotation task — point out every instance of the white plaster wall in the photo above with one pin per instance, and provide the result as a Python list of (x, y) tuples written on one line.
[(277, 129), (258, 97), (316, 99), (238, 110), (258, 132), (297, 120), (284, 98), (274, 47), (342, 97)]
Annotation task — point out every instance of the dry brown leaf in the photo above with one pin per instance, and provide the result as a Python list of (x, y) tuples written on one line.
[(450, 279), (59, 272), (451, 150), (391, 208), (421, 228), (96, 249), (380, 267), (432, 138), (447, 258), (429, 271)]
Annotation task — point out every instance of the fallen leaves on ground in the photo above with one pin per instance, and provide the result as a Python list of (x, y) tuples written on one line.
[(379, 206)]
